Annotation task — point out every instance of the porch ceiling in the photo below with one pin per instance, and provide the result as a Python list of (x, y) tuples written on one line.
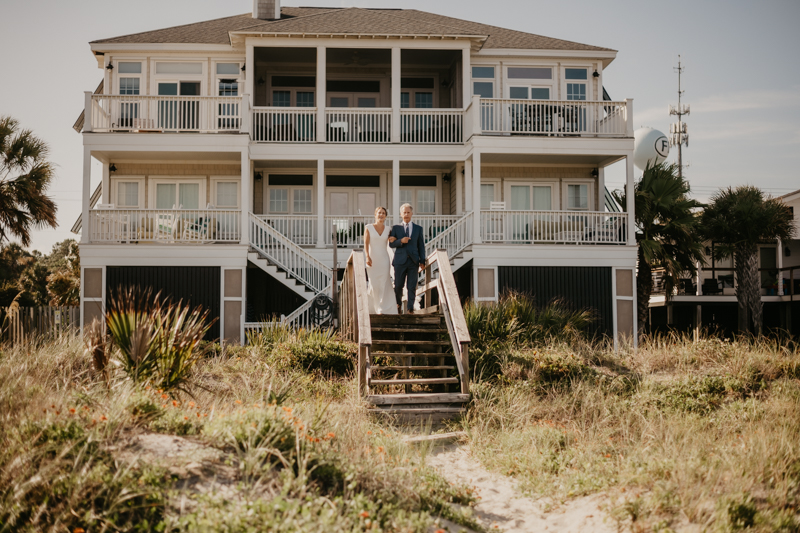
[(547, 159), (109, 156), (361, 165)]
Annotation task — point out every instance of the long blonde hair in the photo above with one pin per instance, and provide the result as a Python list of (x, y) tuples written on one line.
[(379, 208)]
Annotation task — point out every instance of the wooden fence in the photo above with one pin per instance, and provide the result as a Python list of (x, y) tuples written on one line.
[(21, 324)]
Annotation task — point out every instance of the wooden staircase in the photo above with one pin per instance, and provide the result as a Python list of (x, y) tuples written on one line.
[(413, 367)]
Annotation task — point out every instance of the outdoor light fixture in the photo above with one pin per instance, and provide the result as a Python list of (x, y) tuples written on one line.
[(595, 173), (109, 67), (787, 252), (445, 177), (258, 176), (244, 67), (261, 80), (596, 74), (112, 167)]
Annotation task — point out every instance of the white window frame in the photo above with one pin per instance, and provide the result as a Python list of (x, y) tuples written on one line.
[(498, 192), (293, 90), (114, 182), (589, 85), (290, 193), (531, 182), (154, 181), (475, 284), (155, 79), (412, 92), (473, 80), (590, 196), (215, 181), (530, 83), (239, 77), (140, 75)]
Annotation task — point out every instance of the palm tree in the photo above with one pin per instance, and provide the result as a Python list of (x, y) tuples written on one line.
[(737, 220), (667, 231), (25, 175)]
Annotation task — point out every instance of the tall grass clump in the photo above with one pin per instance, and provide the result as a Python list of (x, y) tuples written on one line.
[(516, 322), (306, 349), (155, 341)]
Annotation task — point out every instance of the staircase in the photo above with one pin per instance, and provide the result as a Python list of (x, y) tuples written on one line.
[(412, 368), (285, 261), (413, 376)]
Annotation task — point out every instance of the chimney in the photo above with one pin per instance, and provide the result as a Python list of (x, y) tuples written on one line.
[(267, 9)]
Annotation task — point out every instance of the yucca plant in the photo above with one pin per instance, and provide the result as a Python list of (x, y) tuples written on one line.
[(97, 347), (132, 329), (178, 332)]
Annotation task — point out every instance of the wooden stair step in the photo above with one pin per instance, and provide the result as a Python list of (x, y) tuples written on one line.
[(416, 343), (417, 398), (412, 417), (401, 367), (413, 354), (405, 319), (417, 411), (410, 330), (413, 381)]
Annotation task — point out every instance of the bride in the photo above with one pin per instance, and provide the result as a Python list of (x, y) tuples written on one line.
[(376, 240)]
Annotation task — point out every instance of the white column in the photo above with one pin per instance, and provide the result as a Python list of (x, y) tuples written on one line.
[(629, 207), (466, 73), (459, 179), (629, 117), (87, 111), (321, 203), (476, 197), (396, 77), (106, 189), (87, 194), (247, 187), (468, 185), (396, 191), (322, 73), (250, 72), (779, 251), (601, 188)]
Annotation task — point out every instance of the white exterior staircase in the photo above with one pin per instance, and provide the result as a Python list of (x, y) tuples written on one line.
[(287, 262)]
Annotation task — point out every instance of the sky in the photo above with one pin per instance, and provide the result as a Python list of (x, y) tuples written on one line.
[(741, 78)]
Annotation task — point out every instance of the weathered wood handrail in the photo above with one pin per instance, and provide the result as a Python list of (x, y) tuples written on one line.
[(354, 314), (450, 303)]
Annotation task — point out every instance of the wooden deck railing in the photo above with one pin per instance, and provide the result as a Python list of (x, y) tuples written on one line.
[(438, 263), (354, 323)]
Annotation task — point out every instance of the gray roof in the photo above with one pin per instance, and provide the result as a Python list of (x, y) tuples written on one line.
[(353, 20)]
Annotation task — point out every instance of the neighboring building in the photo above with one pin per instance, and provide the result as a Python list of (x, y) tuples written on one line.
[(235, 149), (709, 300)]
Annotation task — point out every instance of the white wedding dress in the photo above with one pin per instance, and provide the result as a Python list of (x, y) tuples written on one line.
[(381, 291)]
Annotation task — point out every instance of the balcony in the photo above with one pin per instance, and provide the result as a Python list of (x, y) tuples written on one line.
[(138, 113), (553, 227), (164, 226), (555, 118)]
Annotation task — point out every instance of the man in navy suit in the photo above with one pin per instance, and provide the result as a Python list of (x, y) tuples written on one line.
[(409, 257)]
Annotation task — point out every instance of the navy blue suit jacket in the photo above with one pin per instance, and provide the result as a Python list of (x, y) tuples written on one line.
[(415, 249)]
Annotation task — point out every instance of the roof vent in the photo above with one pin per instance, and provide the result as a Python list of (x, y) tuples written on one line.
[(267, 9)]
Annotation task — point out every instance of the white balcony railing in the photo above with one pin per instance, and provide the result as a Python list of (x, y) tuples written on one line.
[(285, 124), (300, 229), (554, 117), (210, 114), (358, 125), (431, 126), (568, 227), (191, 226)]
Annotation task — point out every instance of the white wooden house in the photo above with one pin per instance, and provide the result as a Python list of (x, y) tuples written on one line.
[(234, 150)]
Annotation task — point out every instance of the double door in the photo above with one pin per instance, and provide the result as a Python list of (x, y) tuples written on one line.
[(179, 113), (349, 211)]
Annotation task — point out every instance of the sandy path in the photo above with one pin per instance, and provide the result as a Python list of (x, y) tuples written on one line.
[(501, 506)]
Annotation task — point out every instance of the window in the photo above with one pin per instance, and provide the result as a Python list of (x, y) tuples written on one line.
[(575, 74), (178, 194), (483, 72), (487, 195), (417, 91), (485, 89), (293, 91), (178, 68), (279, 200), (535, 73), (127, 67), (530, 197), (578, 196), (407, 197), (227, 194), (302, 201), (127, 194), (426, 202), (129, 86), (576, 91)]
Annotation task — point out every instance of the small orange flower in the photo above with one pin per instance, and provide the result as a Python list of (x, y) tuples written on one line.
[(147, 387), (160, 391), (53, 406), (331, 435), (608, 455), (369, 432), (198, 414), (164, 406), (175, 403), (58, 412), (440, 531), (363, 514), (191, 404), (103, 417), (238, 401), (44, 410), (72, 410), (380, 449), (186, 418), (164, 396), (78, 530)]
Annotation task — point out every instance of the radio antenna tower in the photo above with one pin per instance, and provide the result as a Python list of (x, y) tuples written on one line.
[(678, 132)]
